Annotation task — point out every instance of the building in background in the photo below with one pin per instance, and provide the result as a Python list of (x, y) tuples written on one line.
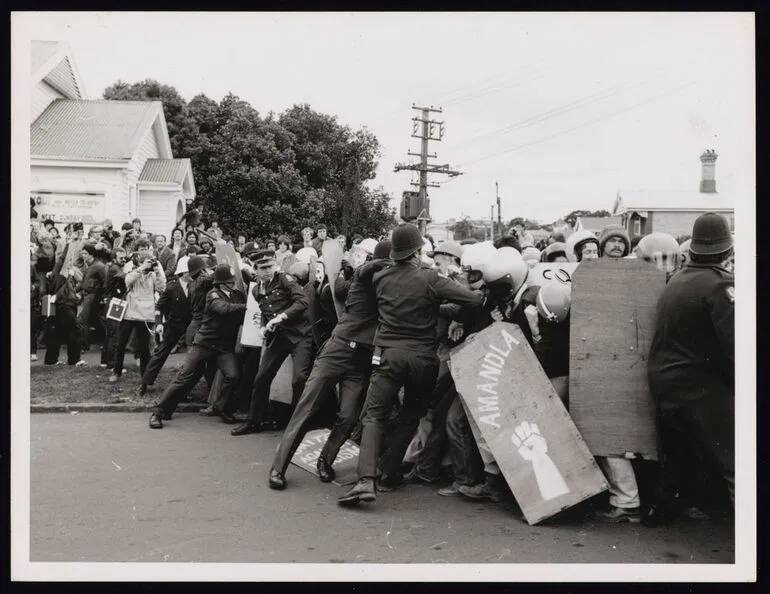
[(643, 212), (97, 159), (595, 224)]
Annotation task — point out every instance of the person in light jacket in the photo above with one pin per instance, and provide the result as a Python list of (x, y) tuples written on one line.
[(141, 285)]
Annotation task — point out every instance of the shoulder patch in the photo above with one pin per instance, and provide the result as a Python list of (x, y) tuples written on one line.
[(290, 278), (731, 294)]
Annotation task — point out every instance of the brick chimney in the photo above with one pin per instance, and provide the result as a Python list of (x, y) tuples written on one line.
[(708, 184)]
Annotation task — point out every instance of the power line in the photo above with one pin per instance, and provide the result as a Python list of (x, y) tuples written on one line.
[(583, 125)]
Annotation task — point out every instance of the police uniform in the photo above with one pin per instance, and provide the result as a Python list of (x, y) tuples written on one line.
[(214, 341), (345, 359), (282, 294), (408, 299), (691, 370)]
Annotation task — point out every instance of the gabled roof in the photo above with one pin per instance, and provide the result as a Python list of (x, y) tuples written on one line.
[(664, 200), (165, 171), (93, 130), (52, 62)]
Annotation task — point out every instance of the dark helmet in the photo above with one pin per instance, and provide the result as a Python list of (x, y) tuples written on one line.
[(194, 265), (250, 248), (406, 239), (710, 235), (382, 250), (224, 274), (553, 251)]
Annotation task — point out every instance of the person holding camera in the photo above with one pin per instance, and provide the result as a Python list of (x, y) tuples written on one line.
[(142, 282)]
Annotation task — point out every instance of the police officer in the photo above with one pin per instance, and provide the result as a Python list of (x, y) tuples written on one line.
[(691, 367), (214, 341), (287, 331), (346, 359), (408, 300)]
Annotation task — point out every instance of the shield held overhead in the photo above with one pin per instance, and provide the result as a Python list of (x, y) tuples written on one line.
[(332, 255), (524, 423)]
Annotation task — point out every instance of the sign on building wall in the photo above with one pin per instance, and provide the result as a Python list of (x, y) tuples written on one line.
[(71, 207)]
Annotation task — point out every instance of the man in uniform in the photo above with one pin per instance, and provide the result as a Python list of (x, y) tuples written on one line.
[(691, 367), (286, 328), (346, 359), (214, 341), (405, 344)]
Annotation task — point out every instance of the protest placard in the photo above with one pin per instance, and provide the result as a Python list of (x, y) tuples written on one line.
[(345, 465), (544, 272), (536, 445)]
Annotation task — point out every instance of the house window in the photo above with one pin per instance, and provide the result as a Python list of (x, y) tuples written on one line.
[(637, 227)]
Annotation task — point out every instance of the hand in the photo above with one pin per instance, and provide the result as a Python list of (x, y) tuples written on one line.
[(271, 325), (529, 441), (159, 329), (455, 331), (497, 315)]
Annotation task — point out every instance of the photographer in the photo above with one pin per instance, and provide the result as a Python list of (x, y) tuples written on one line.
[(142, 282)]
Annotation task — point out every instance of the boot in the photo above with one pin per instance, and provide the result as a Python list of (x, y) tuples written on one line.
[(277, 480), (489, 490), (245, 429), (325, 470), (363, 490)]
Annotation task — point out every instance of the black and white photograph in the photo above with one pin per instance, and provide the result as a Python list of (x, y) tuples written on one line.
[(383, 296)]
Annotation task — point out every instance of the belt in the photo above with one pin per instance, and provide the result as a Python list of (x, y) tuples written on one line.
[(355, 346)]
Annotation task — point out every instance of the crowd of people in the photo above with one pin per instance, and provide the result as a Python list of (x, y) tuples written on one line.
[(370, 344)]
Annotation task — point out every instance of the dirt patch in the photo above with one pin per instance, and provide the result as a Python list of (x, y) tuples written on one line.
[(65, 384)]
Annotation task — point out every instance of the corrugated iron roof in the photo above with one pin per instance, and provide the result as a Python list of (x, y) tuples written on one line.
[(63, 79), (164, 170), (91, 129), (41, 52), (672, 200), (598, 223)]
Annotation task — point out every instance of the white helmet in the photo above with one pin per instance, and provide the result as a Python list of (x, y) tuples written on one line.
[(368, 245), (530, 254), (475, 259), (577, 239), (660, 249), (507, 262), (181, 266)]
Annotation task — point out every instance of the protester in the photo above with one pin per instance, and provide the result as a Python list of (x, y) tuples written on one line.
[(214, 341), (91, 289), (178, 244), (582, 245), (165, 255), (64, 327), (554, 252), (114, 287), (141, 284), (318, 242), (307, 238)]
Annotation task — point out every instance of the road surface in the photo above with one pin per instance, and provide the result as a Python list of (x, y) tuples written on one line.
[(104, 487)]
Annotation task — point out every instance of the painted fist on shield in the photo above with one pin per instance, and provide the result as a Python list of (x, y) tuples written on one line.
[(534, 448)]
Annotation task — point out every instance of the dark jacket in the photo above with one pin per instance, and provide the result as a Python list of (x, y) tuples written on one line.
[(114, 282), (360, 317), (174, 305), (167, 260), (552, 350), (222, 318), (692, 355), (408, 300), (94, 278), (283, 294)]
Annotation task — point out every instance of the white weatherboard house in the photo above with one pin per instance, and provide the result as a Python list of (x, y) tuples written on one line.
[(644, 212), (97, 160)]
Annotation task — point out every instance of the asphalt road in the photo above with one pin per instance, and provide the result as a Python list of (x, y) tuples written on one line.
[(104, 487)]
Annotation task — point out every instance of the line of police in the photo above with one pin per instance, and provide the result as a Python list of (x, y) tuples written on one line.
[(386, 357)]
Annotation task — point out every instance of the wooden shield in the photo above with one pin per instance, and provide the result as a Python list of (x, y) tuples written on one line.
[(526, 427), (252, 321), (345, 465), (612, 323)]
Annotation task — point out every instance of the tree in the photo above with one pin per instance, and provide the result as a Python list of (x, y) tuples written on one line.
[(267, 176), (571, 218)]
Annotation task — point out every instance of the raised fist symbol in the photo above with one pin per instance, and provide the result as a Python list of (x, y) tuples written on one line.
[(534, 448), (529, 441)]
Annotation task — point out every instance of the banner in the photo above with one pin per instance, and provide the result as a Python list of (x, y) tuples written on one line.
[(536, 445), (612, 321), (543, 272), (345, 466), (64, 207)]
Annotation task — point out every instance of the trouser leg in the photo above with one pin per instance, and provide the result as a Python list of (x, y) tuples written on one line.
[(84, 318), (125, 330), (53, 341), (249, 368), (69, 334), (624, 492), (428, 462), (324, 375), (467, 464), (301, 364), (186, 379), (34, 330), (272, 359), (352, 390), (142, 342), (230, 368), (171, 335)]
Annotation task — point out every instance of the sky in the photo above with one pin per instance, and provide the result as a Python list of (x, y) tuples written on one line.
[(562, 110)]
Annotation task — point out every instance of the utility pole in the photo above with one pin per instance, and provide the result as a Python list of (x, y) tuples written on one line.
[(428, 130), (499, 220), (492, 223)]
